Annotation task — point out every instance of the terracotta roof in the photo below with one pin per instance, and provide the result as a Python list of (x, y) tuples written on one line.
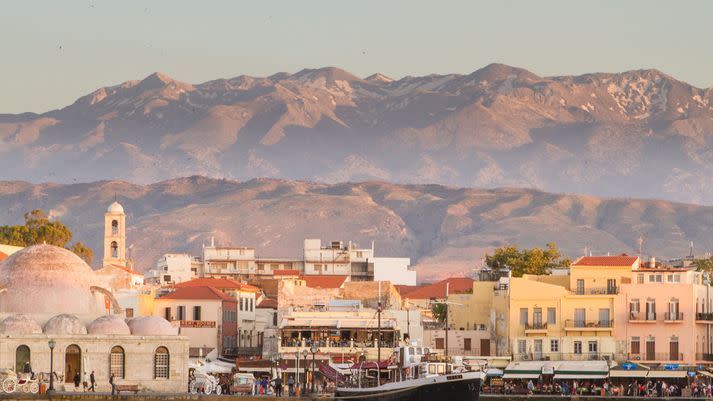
[(324, 281), (286, 272), (2, 256), (220, 283), (618, 260), (127, 269), (268, 303), (406, 289), (456, 285), (203, 292)]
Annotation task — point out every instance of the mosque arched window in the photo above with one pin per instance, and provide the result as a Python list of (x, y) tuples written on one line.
[(116, 362), (22, 358), (161, 363), (114, 249), (114, 227)]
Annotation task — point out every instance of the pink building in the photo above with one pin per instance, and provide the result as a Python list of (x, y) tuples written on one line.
[(665, 315)]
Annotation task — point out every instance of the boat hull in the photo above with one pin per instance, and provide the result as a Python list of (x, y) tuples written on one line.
[(455, 390)]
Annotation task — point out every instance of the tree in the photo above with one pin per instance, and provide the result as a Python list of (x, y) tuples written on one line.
[(439, 312), (705, 265), (39, 229), (83, 252), (527, 261)]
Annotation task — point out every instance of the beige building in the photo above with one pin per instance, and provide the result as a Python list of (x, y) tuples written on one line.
[(114, 235)]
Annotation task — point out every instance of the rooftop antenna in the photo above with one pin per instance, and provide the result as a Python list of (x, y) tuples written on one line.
[(690, 254)]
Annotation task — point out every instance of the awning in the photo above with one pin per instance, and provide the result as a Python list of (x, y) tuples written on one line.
[(628, 373), (582, 369), (521, 376), (667, 374), (705, 373), (578, 376), (493, 372)]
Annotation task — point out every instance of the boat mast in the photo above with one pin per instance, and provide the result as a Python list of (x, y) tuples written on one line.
[(446, 304), (378, 328)]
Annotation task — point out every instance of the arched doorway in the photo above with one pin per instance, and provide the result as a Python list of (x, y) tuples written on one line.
[(72, 363), (22, 357)]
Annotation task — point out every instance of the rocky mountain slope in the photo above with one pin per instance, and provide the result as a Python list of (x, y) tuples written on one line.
[(445, 230), (637, 133)]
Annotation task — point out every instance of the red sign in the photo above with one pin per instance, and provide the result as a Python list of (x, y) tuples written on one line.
[(200, 324)]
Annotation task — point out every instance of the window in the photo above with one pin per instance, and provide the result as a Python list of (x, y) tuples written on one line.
[(114, 227), (22, 357), (635, 345), (669, 278), (537, 317), (580, 286), (523, 316), (577, 347), (252, 305), (129, 312), (318, 268), (676, 278), (359, 254), (167, 313), (551, 315), (260, 267), (114, 249), (481, 327), (580, 317), (593, 347), (554, 345), (521, 346), (652, 278), (440, 343), (466, 344), (167, 278), (241, 303), (274, 319), (634, 306), (640, 278), (659, 278), (274, 266), (196, 313), (161, 363), (181, 312), (116, 362), (604, 318)]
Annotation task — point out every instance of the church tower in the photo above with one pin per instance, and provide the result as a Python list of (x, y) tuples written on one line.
[(115, 235)]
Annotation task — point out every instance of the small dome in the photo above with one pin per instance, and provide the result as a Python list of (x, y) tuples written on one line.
[(151, 326), (19, 325), (115, 208), (108, 324), (65, 324)]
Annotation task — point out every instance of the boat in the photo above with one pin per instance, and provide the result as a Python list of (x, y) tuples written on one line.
[(410, 379)]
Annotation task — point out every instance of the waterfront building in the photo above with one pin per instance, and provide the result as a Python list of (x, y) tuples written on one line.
[(174, 268)]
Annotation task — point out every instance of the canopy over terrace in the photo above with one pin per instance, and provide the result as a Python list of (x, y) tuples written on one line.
[(338, 331)]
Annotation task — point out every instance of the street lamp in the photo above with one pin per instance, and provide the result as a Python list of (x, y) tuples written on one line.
[(304, 354), (314, 350), (51, 344), (297, 369)]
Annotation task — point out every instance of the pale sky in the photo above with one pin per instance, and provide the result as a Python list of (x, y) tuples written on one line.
[(53, 52)]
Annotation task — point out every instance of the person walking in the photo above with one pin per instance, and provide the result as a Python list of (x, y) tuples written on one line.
[(85, 382), (291, 386), (111, 382), (278, 386), (93, 382), (77, 379)]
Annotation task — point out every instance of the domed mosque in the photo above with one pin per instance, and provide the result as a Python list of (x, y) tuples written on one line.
[(50, 296)]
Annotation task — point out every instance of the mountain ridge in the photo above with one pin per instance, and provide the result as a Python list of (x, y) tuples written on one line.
[(639, 133)]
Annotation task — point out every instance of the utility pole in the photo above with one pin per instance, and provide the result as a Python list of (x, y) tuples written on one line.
[(378, 324), (446, 304)]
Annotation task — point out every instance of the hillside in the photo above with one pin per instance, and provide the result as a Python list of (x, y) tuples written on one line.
[(443, 229), (636, 134)]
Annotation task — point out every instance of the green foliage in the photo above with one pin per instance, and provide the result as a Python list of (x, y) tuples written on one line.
[(704, 265), (38, 229), (83, 252), (439, 312), (527, 261)]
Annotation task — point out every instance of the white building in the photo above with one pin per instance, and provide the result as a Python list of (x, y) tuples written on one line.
[(174, 268), (395, 270)]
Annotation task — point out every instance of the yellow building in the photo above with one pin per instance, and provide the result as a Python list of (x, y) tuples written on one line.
[(568, 317)]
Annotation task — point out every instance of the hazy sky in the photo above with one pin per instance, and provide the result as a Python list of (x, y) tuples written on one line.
[(52, 52)]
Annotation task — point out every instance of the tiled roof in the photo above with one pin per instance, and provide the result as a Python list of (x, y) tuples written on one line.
[(456, 285), (203, 292), (286, 272), (2, 256), (220, 283), (619, 260), (127, 269), (324, 281), (268, 303), (406, 289)]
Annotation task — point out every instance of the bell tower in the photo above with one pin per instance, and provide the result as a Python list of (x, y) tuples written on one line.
[(114, 235)]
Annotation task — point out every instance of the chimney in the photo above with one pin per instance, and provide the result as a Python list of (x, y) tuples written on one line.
[(652, 262)]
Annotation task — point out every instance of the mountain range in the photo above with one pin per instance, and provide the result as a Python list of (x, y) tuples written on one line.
[(444, 230), (633, 134)]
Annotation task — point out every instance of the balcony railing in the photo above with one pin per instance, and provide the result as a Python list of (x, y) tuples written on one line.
[(597, 291), (536, 326), (642, 316), (588, 324), (657, 356), (673, 316), (563, 356), (704, 316), (242, 351), (704, 357)]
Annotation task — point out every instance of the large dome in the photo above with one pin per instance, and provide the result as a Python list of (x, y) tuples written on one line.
[(47, 280), (109, 324), (19, 325), (65, 324), (151, 326), (115, 208)]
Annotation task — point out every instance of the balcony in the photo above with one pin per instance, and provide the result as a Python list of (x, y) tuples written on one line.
[(706, 357), (588, 325), (536, 328), (242, 351), (704, 317), (597, 291), (642, 317), (563, 356), (673, 317), (656, 357)]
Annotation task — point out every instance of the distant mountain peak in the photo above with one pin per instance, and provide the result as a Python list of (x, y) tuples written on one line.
[(378, 77), (331, 74)]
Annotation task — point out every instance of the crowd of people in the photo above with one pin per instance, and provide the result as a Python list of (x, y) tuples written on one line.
[(648, 388)]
